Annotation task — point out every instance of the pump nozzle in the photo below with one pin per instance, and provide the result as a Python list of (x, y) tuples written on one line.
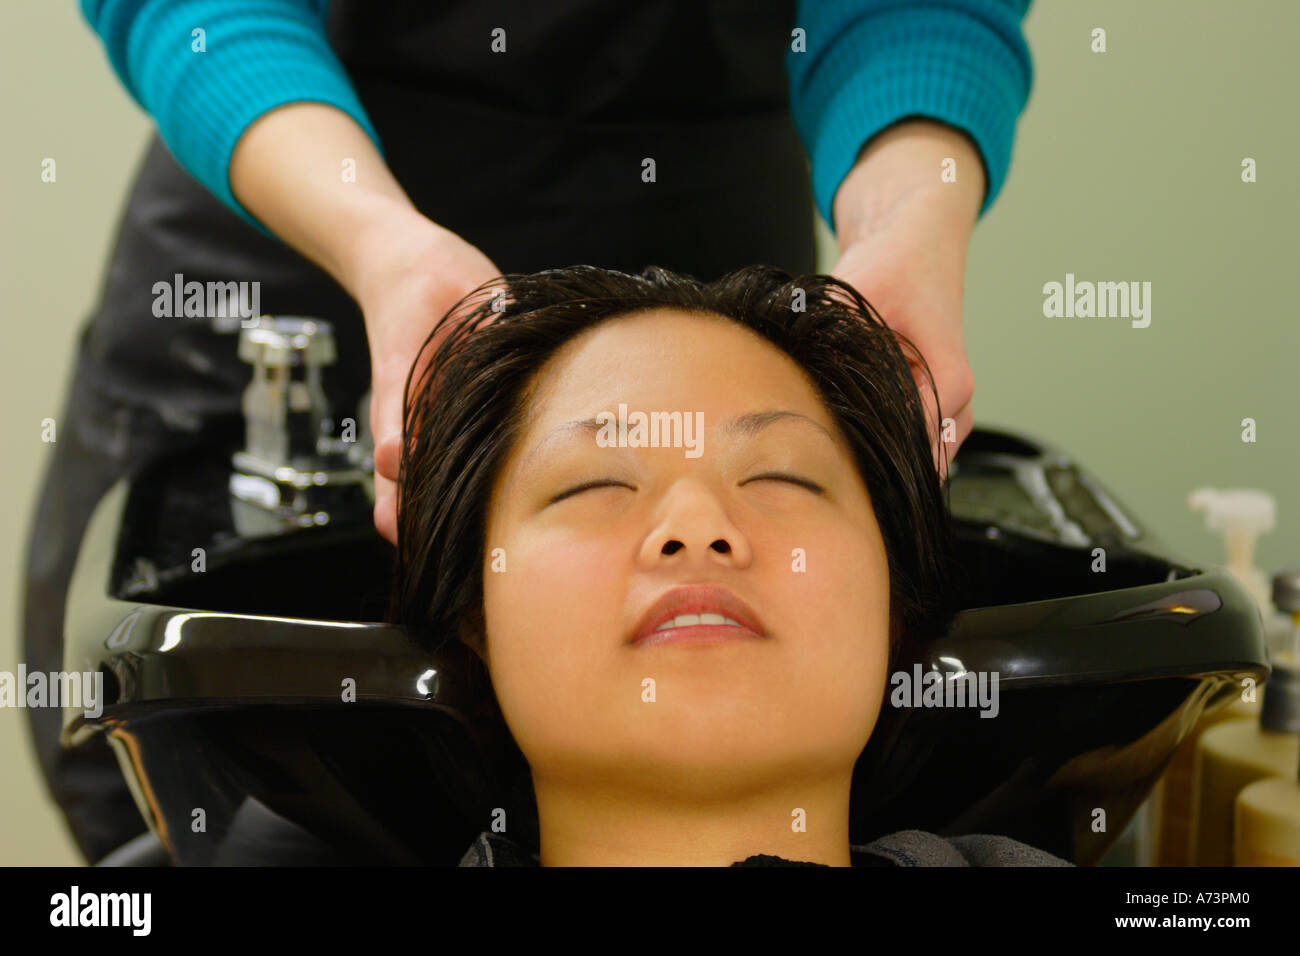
[(1241, 515)]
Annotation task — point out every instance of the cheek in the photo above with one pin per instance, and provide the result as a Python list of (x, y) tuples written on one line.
[(553, 618), (838, 607), (856, 598)]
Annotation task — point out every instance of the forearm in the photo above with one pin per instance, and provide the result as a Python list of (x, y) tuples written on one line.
[(206, 70), (313, 176), (903, 163)]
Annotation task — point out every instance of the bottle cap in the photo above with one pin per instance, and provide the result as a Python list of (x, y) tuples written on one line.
[(1238, 509), (1286, 589), (1280, 709)]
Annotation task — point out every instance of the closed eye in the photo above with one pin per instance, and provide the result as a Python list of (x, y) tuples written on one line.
[(588, 485), (790, 479)]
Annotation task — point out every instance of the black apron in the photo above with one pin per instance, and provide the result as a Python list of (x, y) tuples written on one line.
[(534, 155)]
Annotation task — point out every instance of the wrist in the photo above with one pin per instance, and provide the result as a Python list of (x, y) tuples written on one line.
[(312, 176), (903, 165), (379, 234)]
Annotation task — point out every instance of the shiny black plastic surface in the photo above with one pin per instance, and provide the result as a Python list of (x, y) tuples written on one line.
[(227, 684)]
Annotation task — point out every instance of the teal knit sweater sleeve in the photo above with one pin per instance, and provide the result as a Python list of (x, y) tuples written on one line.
[(868, 63), (206, 69)]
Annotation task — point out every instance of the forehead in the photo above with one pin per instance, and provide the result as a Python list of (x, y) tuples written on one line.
[(699, 366), (698, 360)]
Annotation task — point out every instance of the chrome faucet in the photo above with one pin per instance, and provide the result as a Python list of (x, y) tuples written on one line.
[(294, 468)]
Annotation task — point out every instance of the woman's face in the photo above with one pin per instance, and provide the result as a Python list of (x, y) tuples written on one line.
[(572, 577)]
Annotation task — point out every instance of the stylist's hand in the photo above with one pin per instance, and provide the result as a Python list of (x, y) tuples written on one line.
[(411, 272), (404, 271), (903, 235)]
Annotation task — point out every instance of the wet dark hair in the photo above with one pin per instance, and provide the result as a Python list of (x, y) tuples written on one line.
[(464, 410)]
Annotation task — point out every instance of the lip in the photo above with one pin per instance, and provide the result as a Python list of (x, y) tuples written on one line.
[(697, 599)]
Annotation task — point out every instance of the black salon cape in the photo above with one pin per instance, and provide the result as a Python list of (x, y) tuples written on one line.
[(904, 848)]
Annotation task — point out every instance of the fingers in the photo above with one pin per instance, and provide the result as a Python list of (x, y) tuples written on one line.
[(964, 423), (387, 465), (386, 508), (408, 280), (945, 444), (931, 416), (388, 453)]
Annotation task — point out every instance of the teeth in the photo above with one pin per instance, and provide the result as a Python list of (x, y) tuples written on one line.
[(693, 620)]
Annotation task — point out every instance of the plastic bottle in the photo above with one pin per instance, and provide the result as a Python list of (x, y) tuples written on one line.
[(1240, 515), (1267, 822), (1234, 754)]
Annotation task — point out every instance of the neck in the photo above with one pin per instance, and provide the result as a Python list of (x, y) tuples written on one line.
[(584, 826)]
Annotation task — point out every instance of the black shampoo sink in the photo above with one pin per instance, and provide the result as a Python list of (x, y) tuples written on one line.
[(266, 678)]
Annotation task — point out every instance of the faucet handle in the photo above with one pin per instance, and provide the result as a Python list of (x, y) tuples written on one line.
[(285, 408), (290, 453), (286, 340)]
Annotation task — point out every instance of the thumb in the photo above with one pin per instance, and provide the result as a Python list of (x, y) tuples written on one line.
[(931, 413), (385, 423), (388, 456)]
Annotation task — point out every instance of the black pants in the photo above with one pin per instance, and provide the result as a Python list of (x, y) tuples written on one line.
[(88, 455), (144, 388)]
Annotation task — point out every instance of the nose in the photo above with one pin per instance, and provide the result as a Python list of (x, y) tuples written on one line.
[(692, 527)]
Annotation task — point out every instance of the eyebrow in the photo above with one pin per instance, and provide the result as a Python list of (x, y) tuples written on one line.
[(748, 424)]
